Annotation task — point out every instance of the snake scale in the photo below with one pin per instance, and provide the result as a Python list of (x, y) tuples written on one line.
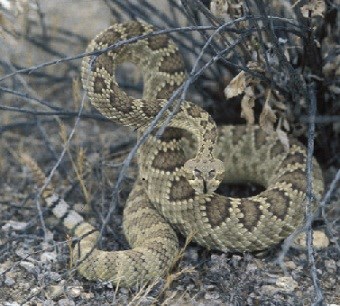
[(175, 190)]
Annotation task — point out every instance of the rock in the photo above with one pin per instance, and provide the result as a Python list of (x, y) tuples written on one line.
[(320, 240), (48, 257), (87, 295), (54, 276), (23, 254), (269, 289), (330, 265), (75, 291), (66, 302), (28, 266), (9, 281), (290, 265), (211, 295), (55, 291), (14, 225), (286, 283)]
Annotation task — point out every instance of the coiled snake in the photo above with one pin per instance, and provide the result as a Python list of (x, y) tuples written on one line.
[(175, 191)]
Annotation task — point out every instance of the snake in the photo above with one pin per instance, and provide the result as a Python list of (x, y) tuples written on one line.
[(176, 191)]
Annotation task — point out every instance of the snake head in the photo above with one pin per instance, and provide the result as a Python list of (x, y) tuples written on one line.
[(204, 174)]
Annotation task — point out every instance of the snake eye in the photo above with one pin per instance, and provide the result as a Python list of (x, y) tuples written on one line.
[(212, 173), (197, 173)]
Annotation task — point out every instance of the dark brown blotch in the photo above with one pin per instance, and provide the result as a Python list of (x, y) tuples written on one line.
[(181, 190), (158, 42), (218, 210), (168, 161), (276, 149), (151, 108), (195, 112), (204, 124), (103, 61), (134, 28), (99, 85), (171, 133), (109, 37), (145, 221), (166, 91), (251, 213), (119, 100), (294, 142), (238, 134), (210, 135), (211, 120), (293, 158), (260, 138), (279, 202), (172, 63), (296, 178)]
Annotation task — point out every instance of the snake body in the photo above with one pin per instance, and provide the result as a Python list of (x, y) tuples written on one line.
[(175, 190)]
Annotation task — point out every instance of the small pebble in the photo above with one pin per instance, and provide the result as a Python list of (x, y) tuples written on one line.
[(28, 266), (87, 295), (320, 240), (252, 267), (22, 253), (9, 281), (14, 225), (290, 265), (123, 290), (330, 265), (54, 276), (55, 291), (211, 295), (74, 292), (48, 257), (66, 302), (286, 283), (269, 289)]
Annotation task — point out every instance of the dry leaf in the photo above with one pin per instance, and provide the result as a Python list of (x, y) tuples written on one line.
[(226, 9), (316, 7), (280, 105), (247, 105), (219, 8), (283, 137), (285, 124), (236, 86), (267, 116)]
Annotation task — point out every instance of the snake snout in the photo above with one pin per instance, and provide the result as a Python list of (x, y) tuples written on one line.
[(204, 175)]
